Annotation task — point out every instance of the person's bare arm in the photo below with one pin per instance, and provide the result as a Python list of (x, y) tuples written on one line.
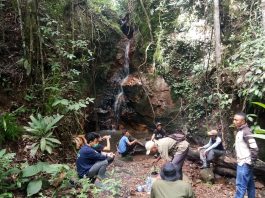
[(107, 148), (157, 160), (153, 137), (131, 143)]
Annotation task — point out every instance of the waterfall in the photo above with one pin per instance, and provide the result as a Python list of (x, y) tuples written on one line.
[(119, 99)]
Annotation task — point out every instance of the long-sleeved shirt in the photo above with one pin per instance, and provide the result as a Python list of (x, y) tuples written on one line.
[(214, 144), (165, 144), (246, 146), (86, 158)]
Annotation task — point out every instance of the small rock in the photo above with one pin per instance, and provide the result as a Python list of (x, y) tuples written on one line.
[(216, 176), (259, 185), (132, 192), (232, 181), (207, 175)]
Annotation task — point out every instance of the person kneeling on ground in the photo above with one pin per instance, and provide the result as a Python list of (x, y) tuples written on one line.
[(211, 150), (91, 163), (173, 148), (171, 186), (125, 146)]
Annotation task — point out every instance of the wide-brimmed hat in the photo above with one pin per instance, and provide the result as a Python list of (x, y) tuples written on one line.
[(158, 123), (169, 172), (212, 132), (149, 145)]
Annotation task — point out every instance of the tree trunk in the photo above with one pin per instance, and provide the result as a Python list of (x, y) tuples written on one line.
[(217, 32), (226, 165)]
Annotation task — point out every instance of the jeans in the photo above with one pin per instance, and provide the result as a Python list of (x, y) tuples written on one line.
[(99, 168), (244, 181)]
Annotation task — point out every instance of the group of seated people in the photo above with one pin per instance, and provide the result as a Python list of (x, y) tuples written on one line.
[(92, 160)]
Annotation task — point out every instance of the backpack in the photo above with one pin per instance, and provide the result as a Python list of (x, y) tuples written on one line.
[(179, 137)]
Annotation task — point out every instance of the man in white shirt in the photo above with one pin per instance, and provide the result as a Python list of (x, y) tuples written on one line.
[(246, 152), (212, 150)]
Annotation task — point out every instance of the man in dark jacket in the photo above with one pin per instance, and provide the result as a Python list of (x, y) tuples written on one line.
[(246, 152), (91, 163)]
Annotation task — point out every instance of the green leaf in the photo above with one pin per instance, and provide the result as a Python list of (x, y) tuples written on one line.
[(56, 118), (2, 152), (260, 136), (250, 119), (260, 104), (34, 187), (55, 168), (27, 66), (42, 144), (48, 149), (54, 140), (34, 150), (259, 131), (33, 170), (63, 102)]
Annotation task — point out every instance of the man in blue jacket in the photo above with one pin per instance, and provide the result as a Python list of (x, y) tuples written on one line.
[(91, 163)]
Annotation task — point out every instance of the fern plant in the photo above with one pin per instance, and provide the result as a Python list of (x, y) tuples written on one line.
[(40, 129)]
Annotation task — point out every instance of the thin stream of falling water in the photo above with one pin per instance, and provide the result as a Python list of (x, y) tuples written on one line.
[(119, 99)]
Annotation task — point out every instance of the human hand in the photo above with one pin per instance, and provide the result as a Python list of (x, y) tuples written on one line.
[(200, 148), (205, 153), (106, 137), (112, 155)]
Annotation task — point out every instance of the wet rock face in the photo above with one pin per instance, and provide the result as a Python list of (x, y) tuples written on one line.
[(135, 111), (159, 95)]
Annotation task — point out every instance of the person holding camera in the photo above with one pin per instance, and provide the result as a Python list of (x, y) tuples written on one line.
[(90, 163)]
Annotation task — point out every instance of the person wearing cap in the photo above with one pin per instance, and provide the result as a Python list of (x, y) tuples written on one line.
[(170, 185), (173, 148), (159, 132), (212, 150), (125, 145)]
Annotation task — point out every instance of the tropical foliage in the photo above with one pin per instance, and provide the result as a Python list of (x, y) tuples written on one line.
[(40, 129)]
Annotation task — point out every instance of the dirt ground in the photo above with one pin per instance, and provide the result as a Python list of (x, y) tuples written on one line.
[(134, 173)]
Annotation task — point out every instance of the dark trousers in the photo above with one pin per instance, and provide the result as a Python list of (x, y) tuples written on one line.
[(178, 161), (129, 149)]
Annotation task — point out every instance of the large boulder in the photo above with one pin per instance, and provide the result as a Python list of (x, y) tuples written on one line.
[(149, 96)]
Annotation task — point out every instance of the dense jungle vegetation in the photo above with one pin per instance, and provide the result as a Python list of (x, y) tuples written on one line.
[(57, 56)]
